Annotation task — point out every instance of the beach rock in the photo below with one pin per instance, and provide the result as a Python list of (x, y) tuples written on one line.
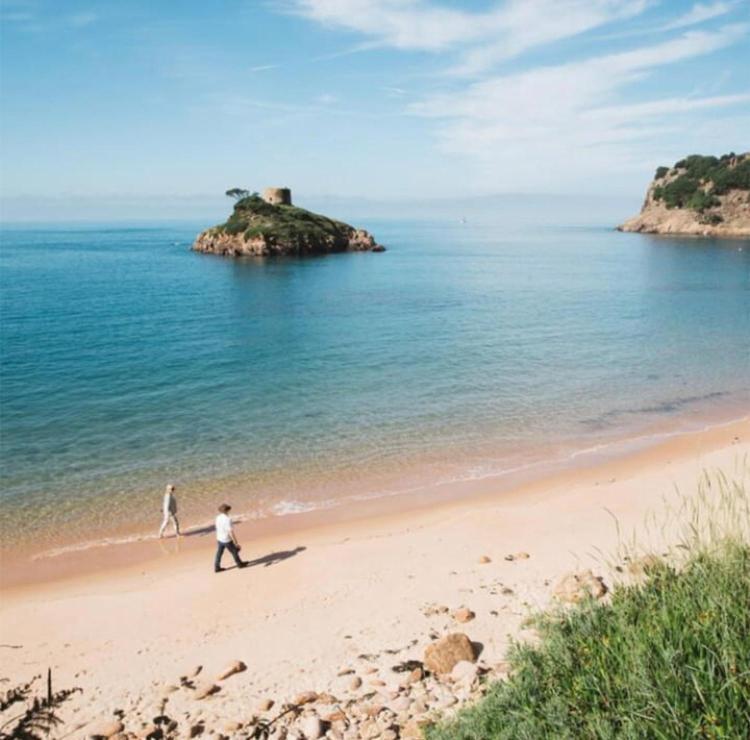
[(333, 715), (264, 705), (197, 729), (369, 730), (575, 587), (236, 666), (463, 615), (440, 657), (306, 697), (311, 727), (510, 558), (205, 691), (521, 556), (465, 672), (400, 704), (353, 683), (485, 559), (106, 728)]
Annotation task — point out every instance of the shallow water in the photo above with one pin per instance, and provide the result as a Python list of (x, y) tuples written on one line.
[(467, 349)]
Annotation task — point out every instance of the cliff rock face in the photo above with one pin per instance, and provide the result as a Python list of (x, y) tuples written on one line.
[(259, 228), (698, 196)]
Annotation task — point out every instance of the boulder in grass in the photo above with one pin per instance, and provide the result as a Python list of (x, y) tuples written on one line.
[(575, 587), (440, 657), (236, 666)]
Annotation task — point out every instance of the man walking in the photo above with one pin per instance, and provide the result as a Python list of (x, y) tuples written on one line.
[(169, 507), (226, 539)]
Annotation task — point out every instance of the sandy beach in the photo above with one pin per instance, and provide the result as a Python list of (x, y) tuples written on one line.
[(359, 595)]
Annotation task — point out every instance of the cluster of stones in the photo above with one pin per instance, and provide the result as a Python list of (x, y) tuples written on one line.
[(364, 701)]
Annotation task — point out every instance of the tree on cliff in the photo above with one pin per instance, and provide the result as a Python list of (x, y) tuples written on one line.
[(237, 193)]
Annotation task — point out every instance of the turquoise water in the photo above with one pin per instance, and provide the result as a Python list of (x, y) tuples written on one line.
[(465, 350)]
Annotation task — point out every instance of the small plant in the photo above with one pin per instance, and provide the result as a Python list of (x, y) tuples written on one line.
[(39, 718), (661, 172)]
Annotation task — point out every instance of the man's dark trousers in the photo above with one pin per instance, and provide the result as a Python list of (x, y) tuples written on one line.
[(221, 546)]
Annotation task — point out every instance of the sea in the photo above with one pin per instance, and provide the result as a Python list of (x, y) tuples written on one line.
[(494, 335)]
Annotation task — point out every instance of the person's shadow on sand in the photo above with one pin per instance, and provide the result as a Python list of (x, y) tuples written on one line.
[(275, 557)]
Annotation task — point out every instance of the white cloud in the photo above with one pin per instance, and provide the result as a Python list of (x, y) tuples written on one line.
[(507, 29), (568, 117), (701, 12)]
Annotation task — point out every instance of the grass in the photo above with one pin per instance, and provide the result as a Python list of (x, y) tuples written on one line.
[(669, 658)]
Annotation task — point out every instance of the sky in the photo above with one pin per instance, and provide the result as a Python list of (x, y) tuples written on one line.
[(143, 102)]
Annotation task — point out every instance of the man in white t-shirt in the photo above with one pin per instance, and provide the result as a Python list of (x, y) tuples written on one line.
[(169, 509), (226, 540)]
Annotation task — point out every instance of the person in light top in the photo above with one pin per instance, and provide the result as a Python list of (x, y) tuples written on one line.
[(169, 508), (226, 540)]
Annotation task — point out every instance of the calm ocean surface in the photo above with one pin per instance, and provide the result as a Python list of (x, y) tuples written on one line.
[(466, 350)]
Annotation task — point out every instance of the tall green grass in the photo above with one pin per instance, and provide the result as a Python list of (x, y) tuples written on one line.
[(666, 658)]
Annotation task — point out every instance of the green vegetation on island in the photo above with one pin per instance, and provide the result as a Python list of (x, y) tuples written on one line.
[(696, 181), (270, 224), (669, 658)]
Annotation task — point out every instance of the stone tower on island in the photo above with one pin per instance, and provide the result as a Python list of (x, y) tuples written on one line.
[(278, 196)]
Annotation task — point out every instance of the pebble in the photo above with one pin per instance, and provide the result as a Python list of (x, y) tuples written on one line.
[(236, 666)]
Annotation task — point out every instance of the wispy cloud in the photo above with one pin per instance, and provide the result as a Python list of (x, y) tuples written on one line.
[(701, 12), (553, 116), (264, 67), (505, 30)]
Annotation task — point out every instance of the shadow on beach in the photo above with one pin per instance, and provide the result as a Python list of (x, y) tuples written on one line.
[(275, 557)]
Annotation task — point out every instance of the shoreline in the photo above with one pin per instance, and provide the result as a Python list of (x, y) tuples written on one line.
[(356, 596), (83, 559)]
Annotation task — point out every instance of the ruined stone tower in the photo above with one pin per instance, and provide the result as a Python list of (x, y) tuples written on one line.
[(278, 196)]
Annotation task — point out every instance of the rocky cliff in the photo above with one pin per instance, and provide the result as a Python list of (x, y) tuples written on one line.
[(257, 227), (700, 196)]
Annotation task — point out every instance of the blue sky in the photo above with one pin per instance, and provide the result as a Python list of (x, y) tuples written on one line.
[(373, 98)]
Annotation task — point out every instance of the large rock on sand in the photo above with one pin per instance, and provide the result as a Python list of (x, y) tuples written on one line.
[(440, 657)]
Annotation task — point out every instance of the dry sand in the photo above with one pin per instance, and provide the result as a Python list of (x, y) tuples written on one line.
[(358, 588)]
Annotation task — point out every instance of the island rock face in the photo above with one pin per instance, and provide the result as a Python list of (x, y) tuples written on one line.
[(271, 225), (698, 196)]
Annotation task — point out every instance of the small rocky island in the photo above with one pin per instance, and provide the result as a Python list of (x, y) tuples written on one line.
[(699, 196), (270, 225)]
